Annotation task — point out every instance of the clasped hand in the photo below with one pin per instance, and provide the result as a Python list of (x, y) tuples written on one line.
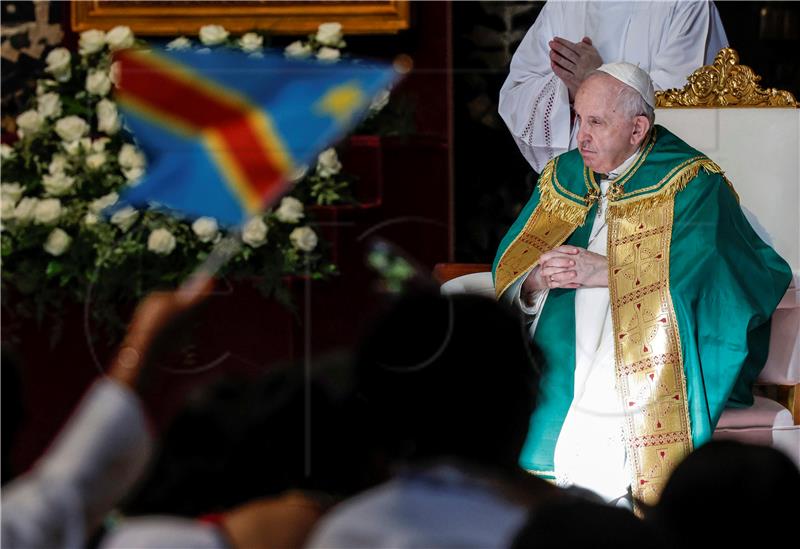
[(568, 267), (571, 62)]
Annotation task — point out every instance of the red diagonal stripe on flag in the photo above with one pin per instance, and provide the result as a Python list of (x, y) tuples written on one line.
[(175, 97)]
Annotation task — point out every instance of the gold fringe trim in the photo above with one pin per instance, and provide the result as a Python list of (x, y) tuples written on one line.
[(634, 206), (555, 204)]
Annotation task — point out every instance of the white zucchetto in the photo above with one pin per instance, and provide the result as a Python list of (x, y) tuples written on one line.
[(633, 76)]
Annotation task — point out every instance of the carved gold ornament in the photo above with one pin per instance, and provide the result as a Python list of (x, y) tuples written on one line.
[(725, 83)]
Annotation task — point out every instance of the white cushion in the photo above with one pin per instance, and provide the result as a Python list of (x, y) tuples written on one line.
[(475, 283), (783, 362), (763, 413)]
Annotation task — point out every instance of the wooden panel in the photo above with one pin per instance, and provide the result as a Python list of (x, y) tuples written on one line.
[(172, 18)]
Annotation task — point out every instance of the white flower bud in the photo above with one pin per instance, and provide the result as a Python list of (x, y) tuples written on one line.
[(130, 157), (120, 37), (304, 239), (90, 219), (161, 241), (57, 184), (205, 228), (330, 34), (297, 50), (58, 64), (58, 163), (95, 160), (29, 123), (251, 42), (107, 117), (6, 208), (24, 211), (180, 43), (380, 100), (71, 128), (254, 232), (57, 242), (6, 151), (99, 204), (47, 211), (328, 163), (91, 41), (328, 54), (11, 192), (290, 210), (48, 105), (125, 218), (211, 35), (98, 83)]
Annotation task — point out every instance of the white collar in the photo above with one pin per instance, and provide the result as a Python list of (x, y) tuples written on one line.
[(613, 174)]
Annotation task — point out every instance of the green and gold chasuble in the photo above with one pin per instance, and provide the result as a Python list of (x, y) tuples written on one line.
[(692, 289)]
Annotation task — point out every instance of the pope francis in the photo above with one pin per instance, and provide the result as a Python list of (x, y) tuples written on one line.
[(647, 291)]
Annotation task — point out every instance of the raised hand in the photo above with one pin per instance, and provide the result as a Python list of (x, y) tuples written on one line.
[(571, 61)]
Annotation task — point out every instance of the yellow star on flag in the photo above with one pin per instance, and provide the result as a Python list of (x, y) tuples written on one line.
[(341, 102)]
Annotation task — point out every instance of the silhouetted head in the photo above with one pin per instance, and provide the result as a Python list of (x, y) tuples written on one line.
[(568, 523), (729, 492), (449, 376)]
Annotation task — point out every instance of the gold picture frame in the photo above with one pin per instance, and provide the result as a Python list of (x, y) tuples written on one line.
[(154, 18)]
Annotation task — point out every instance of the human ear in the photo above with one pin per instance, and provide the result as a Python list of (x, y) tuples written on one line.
[(641, 125)]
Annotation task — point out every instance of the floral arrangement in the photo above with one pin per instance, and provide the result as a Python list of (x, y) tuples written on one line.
[(72, 159)]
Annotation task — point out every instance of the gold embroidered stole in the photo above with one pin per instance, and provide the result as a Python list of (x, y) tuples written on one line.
[(649, 365), (549, 226)]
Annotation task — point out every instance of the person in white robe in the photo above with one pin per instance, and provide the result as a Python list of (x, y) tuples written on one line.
[(668, 39)]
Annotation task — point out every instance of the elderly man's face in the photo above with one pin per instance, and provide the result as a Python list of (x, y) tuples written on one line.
[(606, 136)]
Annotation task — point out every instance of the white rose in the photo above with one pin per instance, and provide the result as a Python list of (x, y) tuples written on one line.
[(130, 157), (114, 72), (57, 242), (99, 204), (6, 209), (328, 163), (91, 41), (290, 210), (133, 175), (58, 163), (211, 35), (95, 160), (71, 128), (99, 144), (379, 101), (297, 50), (90, 219), (25, 209), (11, 192), (6, 151), (328, 54), (48, 105), (47, 211), (303, 238), (57, 184), (43, 86), (161, 242), (180, 43), (71, 147), (298, 174), (330, 34), (125, 218), (251, 42), (120, 37), (205, 228), (98, 83), (254, 232), (107, 117), (58, 64), (28, 123)]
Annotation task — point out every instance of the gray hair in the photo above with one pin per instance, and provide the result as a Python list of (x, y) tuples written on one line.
[(629, 101)]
